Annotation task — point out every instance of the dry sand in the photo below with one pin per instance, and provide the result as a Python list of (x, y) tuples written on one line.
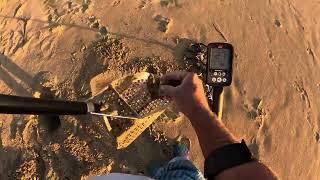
[(57, 45)]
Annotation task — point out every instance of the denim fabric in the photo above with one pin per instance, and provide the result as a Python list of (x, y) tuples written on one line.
[(179, 168)]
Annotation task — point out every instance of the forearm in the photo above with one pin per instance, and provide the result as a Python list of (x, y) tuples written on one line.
[(190, 98), (212, 134)]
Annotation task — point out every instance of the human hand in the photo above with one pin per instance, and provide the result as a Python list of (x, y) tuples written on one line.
[(189, 95)]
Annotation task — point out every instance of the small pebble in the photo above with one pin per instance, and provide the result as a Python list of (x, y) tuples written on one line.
[(277, 23), (83, 48), (69, 2), (92, 19), (103, 30), (94, 25), (49, 18), (317, 136), (84, 7), (270, 55)]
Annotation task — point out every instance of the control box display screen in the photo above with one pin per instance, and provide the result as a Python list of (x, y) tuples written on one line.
[(219, 59)]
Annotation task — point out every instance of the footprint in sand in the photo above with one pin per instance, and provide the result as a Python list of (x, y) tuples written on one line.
[(273, 59), (116, 3), (144, 3), (165, 2), (311, 53), (304, 96), (168, 3), (298, 85), (255, 109), (163, 23), (264, 138), (76, 6), (239, 86), (267, 142), (15, 40)]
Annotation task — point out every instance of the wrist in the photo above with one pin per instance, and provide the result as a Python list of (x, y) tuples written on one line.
[(198, 112)]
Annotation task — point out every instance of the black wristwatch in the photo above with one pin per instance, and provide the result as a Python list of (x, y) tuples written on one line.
[(226, 157)]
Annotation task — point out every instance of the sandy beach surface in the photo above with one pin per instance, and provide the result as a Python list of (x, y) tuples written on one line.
[(74, 48)]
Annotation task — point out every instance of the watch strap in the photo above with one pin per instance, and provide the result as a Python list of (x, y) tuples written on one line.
[(226, 157)]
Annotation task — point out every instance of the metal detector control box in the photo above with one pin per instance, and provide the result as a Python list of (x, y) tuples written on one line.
[(219, 64)]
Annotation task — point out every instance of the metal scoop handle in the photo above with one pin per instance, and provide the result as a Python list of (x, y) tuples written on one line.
[(114, 116)]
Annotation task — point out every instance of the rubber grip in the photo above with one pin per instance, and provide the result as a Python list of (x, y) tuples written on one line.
[(27, 105)]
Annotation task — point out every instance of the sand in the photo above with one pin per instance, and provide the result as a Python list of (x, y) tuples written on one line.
[(72, 49)]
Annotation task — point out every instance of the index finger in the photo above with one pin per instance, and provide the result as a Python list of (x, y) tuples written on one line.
[(176, 75)]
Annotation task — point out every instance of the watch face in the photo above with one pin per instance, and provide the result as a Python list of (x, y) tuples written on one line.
[(220, 59)]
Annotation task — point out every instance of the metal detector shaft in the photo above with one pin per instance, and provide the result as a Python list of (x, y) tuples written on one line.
[(217, 104), (27, 105)]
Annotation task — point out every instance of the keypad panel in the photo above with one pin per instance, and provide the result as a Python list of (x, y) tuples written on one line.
[(218, 77)]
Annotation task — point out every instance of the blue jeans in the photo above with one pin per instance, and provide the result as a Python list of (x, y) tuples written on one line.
[(179, 168)]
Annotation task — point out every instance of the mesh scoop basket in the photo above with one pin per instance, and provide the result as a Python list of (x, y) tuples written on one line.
[(132, 96)]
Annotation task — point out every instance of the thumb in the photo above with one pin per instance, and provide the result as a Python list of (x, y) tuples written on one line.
[(166, 90)]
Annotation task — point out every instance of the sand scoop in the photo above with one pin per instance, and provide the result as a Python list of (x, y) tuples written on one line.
[(129, 105), (132, 96)]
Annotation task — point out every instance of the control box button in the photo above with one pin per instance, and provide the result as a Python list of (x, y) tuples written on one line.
[(224, 80)]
